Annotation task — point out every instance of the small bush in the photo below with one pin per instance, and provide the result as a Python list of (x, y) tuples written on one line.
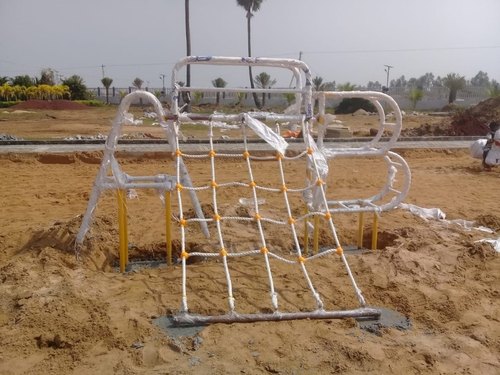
[(351, 105), (91, 103), (9, 104)]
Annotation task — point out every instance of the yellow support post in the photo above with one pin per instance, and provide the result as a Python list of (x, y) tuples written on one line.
[(168, 226), (316, 234), (360, 229), (375, 231), (122, 230)]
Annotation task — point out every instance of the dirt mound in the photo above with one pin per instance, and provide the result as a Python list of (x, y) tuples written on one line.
[(475, 120), (49, 104), (472, 121)]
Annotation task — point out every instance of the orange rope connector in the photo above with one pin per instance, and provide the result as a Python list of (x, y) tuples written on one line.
[(183, 222), (339, 251), (319, 182), (252, 184), (279, 156), (291, 220), (246, 155), (222, 252), (310, 151), (301, 259), (264, 250), (178, 152), (184, 255), (179, 186), (217, 217), (213, 184), (328, 216), (257, 217), (283, 188), (211, 153), (321, 119)]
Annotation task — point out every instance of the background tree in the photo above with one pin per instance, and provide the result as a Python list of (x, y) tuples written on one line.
[(374, 86), (106, 82), (416, 94), (218, 82), (348, 86), (47, 77), (320, 85), (23, 80), (4, 80), (250, 6), (264, 81), (398, 82), (494, 89), (137, 83), (454, 83), (76, 87), (481, 79)]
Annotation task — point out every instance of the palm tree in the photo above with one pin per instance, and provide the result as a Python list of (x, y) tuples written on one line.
[(319, 85), (218, 82), (188, 49), (137, 83), (454, 82), (264, 81), (250, 6), (106, 82)]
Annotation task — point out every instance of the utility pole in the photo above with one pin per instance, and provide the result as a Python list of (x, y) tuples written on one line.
[(291, 80), (162, 77), (102, 67), (387, 69)]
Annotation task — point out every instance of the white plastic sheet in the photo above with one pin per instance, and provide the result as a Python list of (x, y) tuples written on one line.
[(424, 213), (492, 242), (476, 148), (276, 141), (437, 214)]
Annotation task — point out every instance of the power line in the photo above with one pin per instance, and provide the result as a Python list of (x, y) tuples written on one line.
[(398, 50)]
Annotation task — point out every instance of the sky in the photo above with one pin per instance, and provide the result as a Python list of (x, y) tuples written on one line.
[(340, 40)]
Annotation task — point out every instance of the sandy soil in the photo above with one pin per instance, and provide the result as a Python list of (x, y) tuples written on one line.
[(33, 124), (63, 316)]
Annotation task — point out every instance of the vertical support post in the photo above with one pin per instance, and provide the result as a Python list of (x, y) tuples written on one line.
[(316, 234), (168, 226), (122, 230), (375, 231), (306, 233), (361, 224)]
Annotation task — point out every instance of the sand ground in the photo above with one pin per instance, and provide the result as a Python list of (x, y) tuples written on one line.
[(60, 315)]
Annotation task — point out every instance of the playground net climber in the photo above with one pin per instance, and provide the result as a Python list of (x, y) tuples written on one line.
[(298, 207)]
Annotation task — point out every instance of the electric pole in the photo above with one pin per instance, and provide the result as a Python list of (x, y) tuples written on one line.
[(387, 69)]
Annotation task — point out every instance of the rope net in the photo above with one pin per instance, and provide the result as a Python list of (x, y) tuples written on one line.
[(290, 216)]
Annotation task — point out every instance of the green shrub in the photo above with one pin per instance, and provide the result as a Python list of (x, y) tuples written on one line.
[(9, 103), (351, 105), (91, 103)]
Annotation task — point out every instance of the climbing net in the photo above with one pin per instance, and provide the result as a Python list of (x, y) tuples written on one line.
[(314, 187)]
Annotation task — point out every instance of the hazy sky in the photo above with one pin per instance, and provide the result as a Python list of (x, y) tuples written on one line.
[(340, 40)]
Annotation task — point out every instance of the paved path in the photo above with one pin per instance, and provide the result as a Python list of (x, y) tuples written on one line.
[(204, 147)]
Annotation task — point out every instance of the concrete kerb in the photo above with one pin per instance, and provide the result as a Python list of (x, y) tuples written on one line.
[(149, 145)]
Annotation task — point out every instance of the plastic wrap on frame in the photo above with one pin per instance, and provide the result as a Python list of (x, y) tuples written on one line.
[(276, 141), (319, 168), (318, 156)]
